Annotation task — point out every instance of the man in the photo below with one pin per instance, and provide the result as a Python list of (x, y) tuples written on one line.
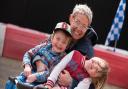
[(84, 40), (85, 37)]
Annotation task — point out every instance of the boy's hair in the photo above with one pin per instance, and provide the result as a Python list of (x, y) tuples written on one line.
[(83, 9), (99, 82)]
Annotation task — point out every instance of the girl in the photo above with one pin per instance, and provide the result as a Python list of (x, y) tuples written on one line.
[(85, 71)]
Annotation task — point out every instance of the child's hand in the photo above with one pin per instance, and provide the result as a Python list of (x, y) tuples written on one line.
[(27, 70), (31, 78), (40, 66)]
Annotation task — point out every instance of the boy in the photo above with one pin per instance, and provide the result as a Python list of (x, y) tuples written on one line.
[(39, 61)]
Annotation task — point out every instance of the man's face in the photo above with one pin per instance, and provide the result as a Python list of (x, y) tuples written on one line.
[(79, 25)]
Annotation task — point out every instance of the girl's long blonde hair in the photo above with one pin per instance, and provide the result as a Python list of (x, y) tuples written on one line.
[(99, 82)]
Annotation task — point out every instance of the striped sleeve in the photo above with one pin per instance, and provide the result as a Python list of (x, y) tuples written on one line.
[(31, 53), (58, 68)]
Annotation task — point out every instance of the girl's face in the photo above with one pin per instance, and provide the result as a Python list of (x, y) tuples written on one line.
[(94, 67), (59, 42)]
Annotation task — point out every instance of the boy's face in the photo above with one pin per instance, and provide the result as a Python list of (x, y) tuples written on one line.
[(79, 25), (59, 42), (94, 67)]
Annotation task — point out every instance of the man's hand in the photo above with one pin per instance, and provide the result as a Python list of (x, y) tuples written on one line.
[(48, 87), (64, 78)]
